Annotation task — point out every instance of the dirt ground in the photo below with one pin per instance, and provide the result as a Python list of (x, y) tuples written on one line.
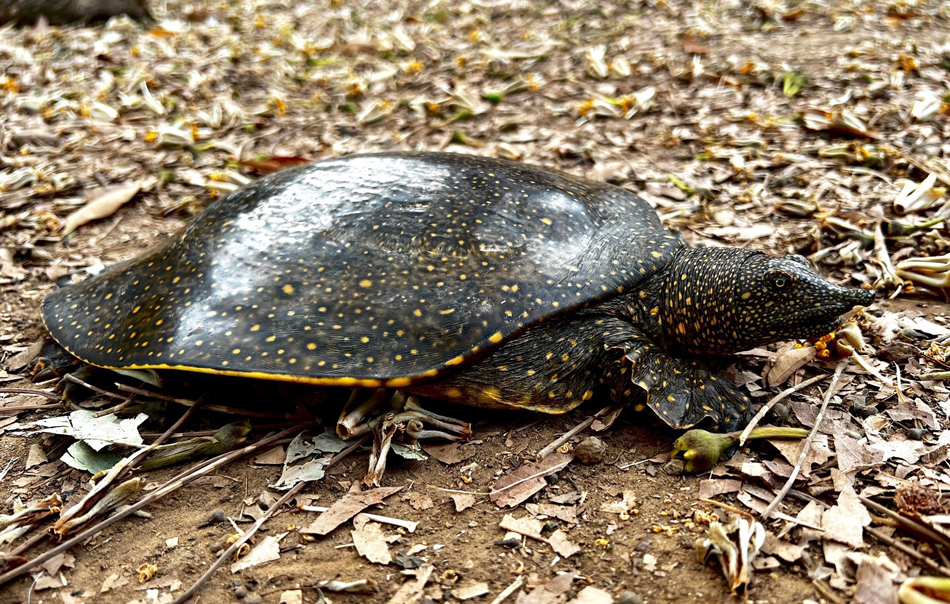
[(291, 80)]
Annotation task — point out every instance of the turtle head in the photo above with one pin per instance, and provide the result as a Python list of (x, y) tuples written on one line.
[(725, 300)]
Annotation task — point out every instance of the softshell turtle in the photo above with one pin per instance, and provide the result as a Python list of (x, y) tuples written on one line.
[(462, 278)]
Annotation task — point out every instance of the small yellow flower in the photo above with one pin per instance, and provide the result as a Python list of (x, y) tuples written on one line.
[(475, 35), (150, 136), (259, 21), (585, 107), (601, 542), (414, 67), (146, 571)]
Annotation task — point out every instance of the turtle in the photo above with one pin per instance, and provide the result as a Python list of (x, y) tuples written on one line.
[(462, 278)]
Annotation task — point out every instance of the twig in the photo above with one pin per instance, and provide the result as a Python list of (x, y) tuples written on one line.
[(768, 406), (260, 521), (509, 590), (72, 378), (409, 525), (567, 435), (237, 544), (207, 407), (30, 391), (827, 592), (907, 550), (727, 507), (938, 375), (919, 529), (832, 388), (182, 479), (121, 470), (18, 408)]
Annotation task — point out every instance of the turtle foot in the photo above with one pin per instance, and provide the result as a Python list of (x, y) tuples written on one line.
[(685, 392)]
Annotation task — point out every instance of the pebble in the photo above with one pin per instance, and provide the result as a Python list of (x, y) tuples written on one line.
[(253, 599), (590, 451), (240, 592), (628, 597), (916, 433), (215, 517), (778, 413)]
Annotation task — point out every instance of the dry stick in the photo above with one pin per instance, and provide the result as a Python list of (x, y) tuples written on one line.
[(18, 408), (768, 406), (172, 485), (189, 403), (260, 521), (908, 550), (807, 447), (120, 470), (567, 435), (826, 591), (125, 471), (920, 529), (727, 507), (32, 391), (72, 378)]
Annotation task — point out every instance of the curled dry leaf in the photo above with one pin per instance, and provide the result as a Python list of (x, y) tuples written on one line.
[(788, 362), (102, 204)]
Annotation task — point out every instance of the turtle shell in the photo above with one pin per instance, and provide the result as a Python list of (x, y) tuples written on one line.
[(370, 270)]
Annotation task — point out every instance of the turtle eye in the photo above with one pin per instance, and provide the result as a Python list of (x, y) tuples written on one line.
[(780, 281)]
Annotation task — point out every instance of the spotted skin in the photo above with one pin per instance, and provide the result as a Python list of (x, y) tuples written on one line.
[(471, 279)]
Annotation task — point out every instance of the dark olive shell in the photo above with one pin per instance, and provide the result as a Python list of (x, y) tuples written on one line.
[(365, 270)]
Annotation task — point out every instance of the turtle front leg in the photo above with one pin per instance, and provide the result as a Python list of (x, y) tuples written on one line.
[(682, 392)]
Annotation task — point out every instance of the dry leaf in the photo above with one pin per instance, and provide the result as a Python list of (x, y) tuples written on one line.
[(104, 203), (628, 503), (369, 541), (788, 363), (267, 550), (418, 501), (346, 507), (411, 591), (472, 590), (592, 595), (553, 591), (291, 596), (845, 521), (561, 512), (710, 488), (449, 453), (875, 582), (562, 545), (529, 527), (783, 549), (514, 488), (463, 501)]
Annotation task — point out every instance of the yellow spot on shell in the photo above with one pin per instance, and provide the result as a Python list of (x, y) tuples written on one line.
[(288, 289), (496, 337), (398, 382), (456, 361), (453, 393), (366, 283)]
